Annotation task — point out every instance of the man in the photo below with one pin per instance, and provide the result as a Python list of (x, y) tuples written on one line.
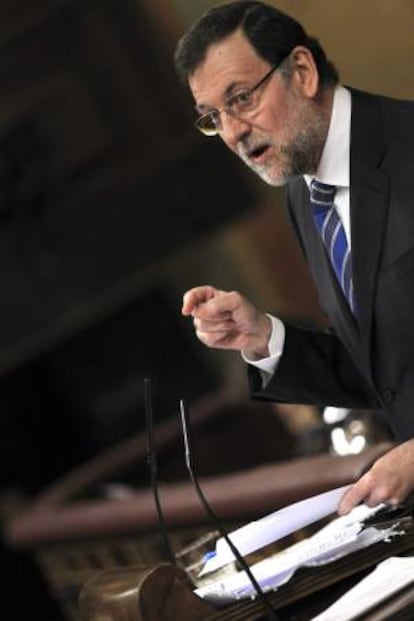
[(268, 91)]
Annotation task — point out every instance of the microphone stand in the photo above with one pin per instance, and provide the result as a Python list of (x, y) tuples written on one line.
[(153, 466), (271, 614)]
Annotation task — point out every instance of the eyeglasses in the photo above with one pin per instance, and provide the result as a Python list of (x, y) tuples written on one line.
[(240, 104)]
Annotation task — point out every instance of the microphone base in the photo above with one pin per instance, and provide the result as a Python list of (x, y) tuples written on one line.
[(160, 592)]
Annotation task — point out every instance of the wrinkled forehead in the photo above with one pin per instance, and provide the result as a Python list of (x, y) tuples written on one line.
[(229, 64)]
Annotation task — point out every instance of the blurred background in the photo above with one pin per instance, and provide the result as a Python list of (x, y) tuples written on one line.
[(112, 205)]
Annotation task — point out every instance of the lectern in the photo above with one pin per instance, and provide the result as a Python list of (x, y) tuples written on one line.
[(164, 593), (75, 535)]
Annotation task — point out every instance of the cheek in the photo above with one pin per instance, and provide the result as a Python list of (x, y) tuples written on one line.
[(274, 121)]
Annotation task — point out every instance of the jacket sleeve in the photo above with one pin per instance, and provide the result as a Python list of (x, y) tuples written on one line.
[(315, 368)]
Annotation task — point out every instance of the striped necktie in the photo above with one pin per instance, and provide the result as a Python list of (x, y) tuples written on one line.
[(333, 235)]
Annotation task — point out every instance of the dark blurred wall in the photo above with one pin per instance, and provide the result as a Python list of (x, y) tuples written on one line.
[(103, 183)]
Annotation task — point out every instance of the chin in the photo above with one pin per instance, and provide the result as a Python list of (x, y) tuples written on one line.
[(275, 179), (274, 172)]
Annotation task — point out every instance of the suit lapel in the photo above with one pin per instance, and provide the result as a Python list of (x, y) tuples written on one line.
[(368, 204), (368, 211)]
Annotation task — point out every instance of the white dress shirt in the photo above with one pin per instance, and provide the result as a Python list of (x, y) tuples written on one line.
[(333, 169)]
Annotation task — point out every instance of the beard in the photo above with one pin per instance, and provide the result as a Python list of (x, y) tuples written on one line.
[(296, 151)]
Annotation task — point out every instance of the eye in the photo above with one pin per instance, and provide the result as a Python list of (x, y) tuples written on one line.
[(241, 100)]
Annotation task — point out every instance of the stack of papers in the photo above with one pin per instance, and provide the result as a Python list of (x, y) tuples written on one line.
[(273, 527), (341, 536), (388, 578)]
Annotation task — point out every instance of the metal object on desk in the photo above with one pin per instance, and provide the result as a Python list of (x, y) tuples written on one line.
[(142, 593)]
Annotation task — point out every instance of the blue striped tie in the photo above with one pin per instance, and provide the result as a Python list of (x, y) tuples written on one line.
[(333, 235)]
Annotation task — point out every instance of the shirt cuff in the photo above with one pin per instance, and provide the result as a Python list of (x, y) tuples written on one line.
[(267, 366)]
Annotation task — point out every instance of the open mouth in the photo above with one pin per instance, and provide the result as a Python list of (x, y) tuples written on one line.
[(257, 153)]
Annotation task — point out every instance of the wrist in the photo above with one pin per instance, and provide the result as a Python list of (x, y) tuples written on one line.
[(260, 349)]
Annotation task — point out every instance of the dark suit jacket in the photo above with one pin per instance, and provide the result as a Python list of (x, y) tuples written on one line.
[(367, 362)]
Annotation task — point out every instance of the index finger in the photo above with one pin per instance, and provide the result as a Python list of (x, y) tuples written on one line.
[(354, 496), (196, 296)]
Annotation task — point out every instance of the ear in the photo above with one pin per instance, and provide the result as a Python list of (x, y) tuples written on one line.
[(305, 73)]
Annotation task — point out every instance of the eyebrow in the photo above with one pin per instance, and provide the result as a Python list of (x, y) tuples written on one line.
[(230, 89)]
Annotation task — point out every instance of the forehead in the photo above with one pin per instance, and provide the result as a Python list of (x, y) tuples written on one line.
[(229, 63)]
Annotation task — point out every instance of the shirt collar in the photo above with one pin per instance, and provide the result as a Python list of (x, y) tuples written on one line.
[(334, 164)]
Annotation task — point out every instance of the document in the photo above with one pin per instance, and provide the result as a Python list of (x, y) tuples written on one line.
[(389, 577), (341, 536), (273, 527)]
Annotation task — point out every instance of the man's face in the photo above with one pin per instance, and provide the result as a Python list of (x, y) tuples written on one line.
[(285, 133)]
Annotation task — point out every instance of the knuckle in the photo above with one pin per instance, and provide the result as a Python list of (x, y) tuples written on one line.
[(395, 500), (383, 493), (369, 478)]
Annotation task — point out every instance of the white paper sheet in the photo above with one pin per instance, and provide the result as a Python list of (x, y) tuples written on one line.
[(388, 578), (274, 526), (342, 536)]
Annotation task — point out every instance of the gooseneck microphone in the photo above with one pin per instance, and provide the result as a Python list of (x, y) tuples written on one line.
[(271, 614), (153, 467)]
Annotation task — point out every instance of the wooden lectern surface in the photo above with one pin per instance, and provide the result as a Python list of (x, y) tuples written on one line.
[(164, 593)]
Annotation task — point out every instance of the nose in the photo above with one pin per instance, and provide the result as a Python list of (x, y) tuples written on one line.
[(233, 129)]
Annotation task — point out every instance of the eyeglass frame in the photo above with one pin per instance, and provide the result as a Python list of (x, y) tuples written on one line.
[(230, 100)]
